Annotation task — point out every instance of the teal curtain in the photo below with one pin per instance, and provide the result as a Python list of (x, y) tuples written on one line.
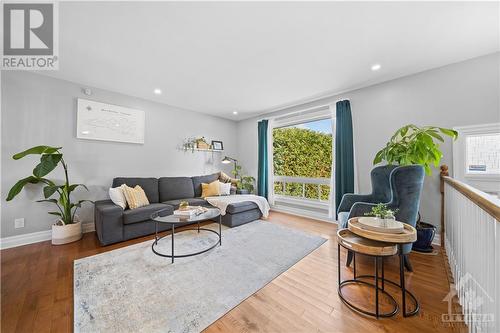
[(263, 176), (344, 151)]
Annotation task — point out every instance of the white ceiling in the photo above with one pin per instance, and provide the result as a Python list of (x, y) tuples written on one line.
[(253, 57)]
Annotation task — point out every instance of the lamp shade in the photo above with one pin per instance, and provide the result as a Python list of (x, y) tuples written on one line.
[(227, 160)]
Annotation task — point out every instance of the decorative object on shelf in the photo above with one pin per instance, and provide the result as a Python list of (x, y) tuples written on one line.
[(425, 236), (68, 228), (189, 144), (108, 122), (217, 145), (201, 143), (415, 145)]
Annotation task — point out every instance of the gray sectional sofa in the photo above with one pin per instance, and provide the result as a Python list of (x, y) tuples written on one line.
[(113, 224)]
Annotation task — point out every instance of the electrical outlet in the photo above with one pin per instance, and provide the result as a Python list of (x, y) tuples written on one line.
[(19, 223)]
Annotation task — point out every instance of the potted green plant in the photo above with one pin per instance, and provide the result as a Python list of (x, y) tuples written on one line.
[(417, 145), (67, 228), (246, 185), (381, 211)]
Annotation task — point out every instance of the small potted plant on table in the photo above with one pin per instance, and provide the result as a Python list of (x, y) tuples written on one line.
[(67, 228), (382, 212)]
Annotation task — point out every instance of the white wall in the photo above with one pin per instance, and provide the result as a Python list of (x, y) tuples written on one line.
[(460, 94), (41, 110)]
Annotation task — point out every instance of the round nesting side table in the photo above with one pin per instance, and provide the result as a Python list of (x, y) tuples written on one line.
[(377, 245)]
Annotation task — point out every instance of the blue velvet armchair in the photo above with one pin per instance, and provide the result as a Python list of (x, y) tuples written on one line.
[(397, 186)]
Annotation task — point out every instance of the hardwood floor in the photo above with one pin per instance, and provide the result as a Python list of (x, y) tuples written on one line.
[(37, 290)]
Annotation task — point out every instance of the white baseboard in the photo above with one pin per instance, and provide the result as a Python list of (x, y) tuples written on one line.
[(301, 213), (437, 239), (35, 237)]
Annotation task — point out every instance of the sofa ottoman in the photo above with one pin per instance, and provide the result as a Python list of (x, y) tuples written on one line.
[(241, 213)]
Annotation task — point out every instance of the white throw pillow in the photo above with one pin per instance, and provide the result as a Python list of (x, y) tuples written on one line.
[(224, 188), (116, 195)]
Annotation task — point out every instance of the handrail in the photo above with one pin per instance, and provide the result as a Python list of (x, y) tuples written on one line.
[(478, 197)]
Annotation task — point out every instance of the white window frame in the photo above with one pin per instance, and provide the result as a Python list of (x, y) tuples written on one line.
[(486, 182), (303, 116)]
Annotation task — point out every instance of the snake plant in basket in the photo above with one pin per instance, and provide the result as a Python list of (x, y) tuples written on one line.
[(67, 228)]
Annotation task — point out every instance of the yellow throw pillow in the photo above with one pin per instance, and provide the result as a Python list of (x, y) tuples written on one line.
[(210, 190), (135, 196), (224, 178)]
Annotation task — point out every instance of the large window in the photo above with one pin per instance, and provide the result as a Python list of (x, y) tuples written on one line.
[(302, 160)]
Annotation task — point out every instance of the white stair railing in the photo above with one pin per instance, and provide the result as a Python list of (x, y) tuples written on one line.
[(471, 238)]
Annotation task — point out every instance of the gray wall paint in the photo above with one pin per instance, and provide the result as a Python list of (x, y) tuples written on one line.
[(41, 110), (460, 94)]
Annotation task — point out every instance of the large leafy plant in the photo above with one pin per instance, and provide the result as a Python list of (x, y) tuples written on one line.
[(415, 145), (50, 158)]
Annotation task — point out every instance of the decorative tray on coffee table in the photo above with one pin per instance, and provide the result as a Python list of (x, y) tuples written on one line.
[(381, 225)]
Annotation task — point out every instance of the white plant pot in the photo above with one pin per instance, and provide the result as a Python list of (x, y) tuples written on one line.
[(68, 233)]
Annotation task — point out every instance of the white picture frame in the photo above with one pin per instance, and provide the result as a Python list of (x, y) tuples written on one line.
[(108, 122)]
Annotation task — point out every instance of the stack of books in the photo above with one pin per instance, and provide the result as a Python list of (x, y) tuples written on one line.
[(189, 212)]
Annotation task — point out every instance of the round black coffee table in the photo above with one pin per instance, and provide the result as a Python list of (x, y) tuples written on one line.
[(175, 220)]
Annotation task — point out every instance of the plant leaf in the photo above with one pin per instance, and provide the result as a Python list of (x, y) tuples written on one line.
[(55, 213), (79, 203), (19, 186), (449, 132), (36, 150), (48, 200), (48, 162), (49, 190), (74, 186), (435, 135), (378, 157)]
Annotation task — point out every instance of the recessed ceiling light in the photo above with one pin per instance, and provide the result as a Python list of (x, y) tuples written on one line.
[(376, 67), (235, 112), (157, 91)]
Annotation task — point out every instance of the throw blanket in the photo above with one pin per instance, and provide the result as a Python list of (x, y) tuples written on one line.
[(223, 201)]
